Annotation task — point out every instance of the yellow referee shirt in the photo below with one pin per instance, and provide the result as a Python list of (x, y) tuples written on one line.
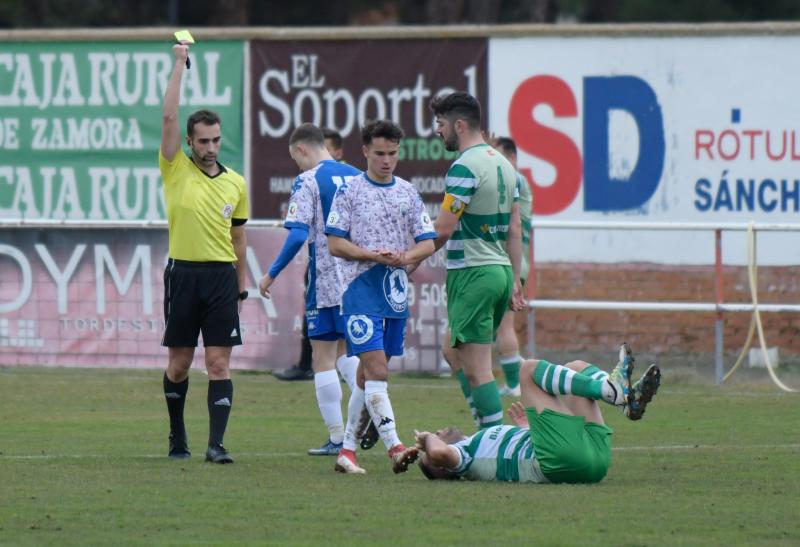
[(200, 209)]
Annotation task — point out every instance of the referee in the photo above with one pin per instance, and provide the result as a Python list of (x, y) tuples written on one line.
[(204, 281)]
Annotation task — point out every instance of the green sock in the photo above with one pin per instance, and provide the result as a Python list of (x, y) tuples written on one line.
[(488, 404), (511, 369), (558, 380), (466, 389), (594, 372)]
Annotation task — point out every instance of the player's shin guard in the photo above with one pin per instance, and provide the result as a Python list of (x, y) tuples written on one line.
[(380, 409), (354, 408), (220, 400), (466, 389), (488, 404), (347, 367), (510, 366), (329, 400), (558, 380), (175, 394)]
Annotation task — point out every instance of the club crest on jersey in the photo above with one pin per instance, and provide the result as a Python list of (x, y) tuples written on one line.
[(227, 211), (360, 329), (395, 285)]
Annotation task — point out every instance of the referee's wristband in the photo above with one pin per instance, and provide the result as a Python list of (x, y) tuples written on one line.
[(243, 295)]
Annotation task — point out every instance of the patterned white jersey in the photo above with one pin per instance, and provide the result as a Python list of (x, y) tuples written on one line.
[(377, 216), (502, 453), (309, 207)]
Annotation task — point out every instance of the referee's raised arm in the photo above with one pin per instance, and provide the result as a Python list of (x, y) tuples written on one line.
[(207, 206), (170, 129)]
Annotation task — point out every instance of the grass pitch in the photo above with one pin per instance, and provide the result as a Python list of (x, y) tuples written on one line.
[(82, 461)]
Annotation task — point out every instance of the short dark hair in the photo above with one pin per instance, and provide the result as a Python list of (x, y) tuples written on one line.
[(381, 129), (458, 105), (334, 136), (506, 144), (206, 117), (307, 132)]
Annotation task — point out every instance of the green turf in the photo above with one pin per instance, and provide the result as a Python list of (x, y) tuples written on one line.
[(82, 462)]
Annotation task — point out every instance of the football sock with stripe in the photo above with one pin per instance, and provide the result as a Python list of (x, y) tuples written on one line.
[(488, 404), (175, 394), (329, 400), (380, 409), (594, 372), (466, 389), (510, 366), (220, 400), (559, 380)]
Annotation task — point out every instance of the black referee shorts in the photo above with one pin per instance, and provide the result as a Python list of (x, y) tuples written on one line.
[(201, 297)]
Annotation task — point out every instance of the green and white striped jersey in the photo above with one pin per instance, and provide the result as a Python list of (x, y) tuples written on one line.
[(486, 182), (501, 453), (525, 214)]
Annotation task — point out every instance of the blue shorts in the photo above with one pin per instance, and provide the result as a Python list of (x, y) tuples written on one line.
[(371, 332), (325, 324)]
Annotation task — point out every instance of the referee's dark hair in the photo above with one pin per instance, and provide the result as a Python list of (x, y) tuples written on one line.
[(206, 117), (458, 105), (381, 129), (506, 144), (307, 133)]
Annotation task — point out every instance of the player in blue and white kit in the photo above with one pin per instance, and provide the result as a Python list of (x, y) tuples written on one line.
[(371, 223), (309, 206)]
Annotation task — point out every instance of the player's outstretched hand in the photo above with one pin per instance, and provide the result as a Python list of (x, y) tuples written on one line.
[(517, 414), (181, 52), (419, 438), (264, 285)]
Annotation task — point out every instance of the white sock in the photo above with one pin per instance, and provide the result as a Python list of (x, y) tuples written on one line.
[(347, 367), (329, 399), (380, 409), (609, 392), (354, 408)]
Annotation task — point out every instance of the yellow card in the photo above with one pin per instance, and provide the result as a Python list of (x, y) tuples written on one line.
[(184, 36)]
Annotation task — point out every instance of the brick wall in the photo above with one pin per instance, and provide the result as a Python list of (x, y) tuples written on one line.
[(662, 332)]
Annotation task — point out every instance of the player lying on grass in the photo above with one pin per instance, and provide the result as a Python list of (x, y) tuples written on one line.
[(560, 436)]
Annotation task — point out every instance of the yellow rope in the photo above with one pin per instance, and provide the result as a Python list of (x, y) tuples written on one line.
[(755, 323)]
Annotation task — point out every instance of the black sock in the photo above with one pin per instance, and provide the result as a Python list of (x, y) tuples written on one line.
[(220, 399), (175, 394), (305, 350)]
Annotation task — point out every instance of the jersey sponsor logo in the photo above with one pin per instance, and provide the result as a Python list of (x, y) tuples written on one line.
[(291, 212), (395, 285), (360, 328), (227, 210), (486, 229)]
